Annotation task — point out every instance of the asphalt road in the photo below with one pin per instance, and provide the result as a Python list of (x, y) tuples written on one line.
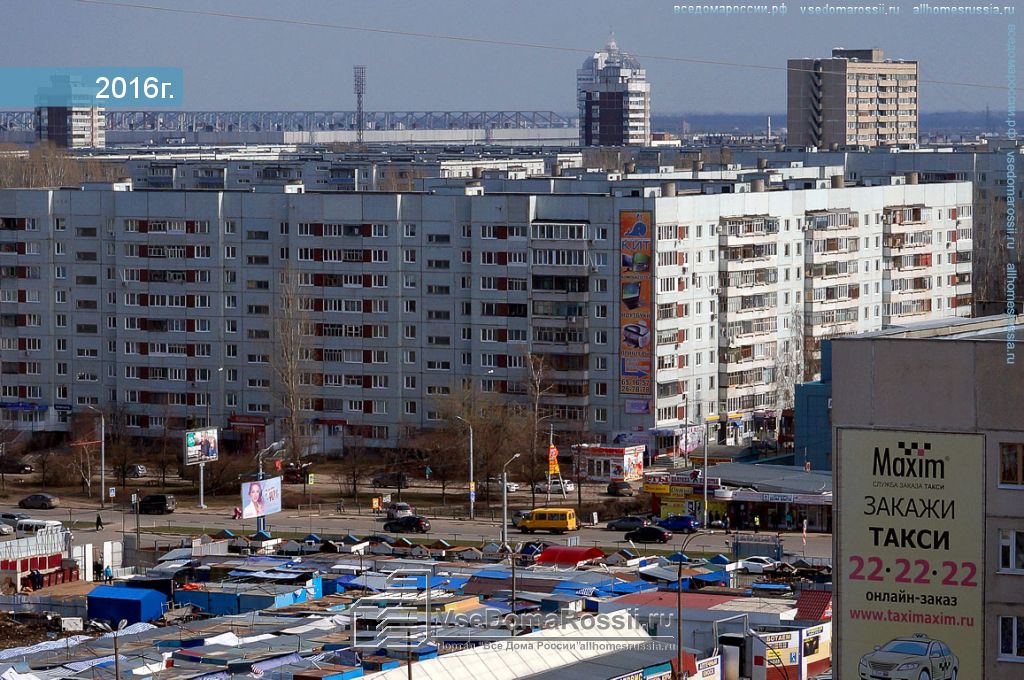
[(481, 529)]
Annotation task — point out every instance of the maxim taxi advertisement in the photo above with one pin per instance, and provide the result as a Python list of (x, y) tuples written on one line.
[(635, 316), (909, 566)]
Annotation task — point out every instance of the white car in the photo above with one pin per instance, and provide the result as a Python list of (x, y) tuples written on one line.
[(555, 486), (494, 483), (6, 530), (759, 565)]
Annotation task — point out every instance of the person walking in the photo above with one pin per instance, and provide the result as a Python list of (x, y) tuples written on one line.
[(725, 523), (757, 524), (108, 574), (99, 522)]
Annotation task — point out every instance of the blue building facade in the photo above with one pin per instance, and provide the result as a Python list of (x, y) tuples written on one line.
[(812, 415)]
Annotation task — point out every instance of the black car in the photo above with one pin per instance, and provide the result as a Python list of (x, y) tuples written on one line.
[(157, 504), (416, 524), (620, 489), (394, 480), (649, 535), (628, 523), (14, 467)]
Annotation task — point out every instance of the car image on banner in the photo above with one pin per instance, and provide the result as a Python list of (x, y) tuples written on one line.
[(911, 658), (261, 498)]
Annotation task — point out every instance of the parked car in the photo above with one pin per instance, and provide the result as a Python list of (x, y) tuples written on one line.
[(518, 516), (158, 504), (554, 486), (396, 480), (397, 510), (6, 530), (916, 657), (11, 466), (688, 524), (39, 501), (620, 489), (759, 564), (409, 523), (494, 484), (628, 523), (133, 471), (12, 518), (649, 535), (380, 538)]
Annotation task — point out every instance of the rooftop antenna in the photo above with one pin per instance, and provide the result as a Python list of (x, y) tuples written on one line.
[(359, 87)]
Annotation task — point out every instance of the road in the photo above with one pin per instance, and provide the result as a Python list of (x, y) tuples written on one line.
[(479, 530)]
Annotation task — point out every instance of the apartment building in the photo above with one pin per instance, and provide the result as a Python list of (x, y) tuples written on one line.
[(651, 309), (984, 165), (614, 99), (854, 98), (930, 497)]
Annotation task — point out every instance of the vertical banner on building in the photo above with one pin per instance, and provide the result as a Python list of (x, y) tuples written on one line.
[(815, 650), (636, 318), (910, 561), (777, 656), (553, 468)]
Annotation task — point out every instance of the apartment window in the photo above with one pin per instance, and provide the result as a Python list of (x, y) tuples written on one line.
[(1011, 638), (1011, 464), (601, 389), (601, 415), (1011, 550), (600, 363)]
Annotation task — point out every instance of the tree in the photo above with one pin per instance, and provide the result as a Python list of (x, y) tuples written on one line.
[(443, 453), (47, 165), (538, 386), (292, 330), (789, 361), (354, 466)]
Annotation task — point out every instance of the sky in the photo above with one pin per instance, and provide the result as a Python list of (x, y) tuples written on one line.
[(239, 64)]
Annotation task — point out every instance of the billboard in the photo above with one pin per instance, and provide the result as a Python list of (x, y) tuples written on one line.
[(815, 650), (201, 446), (910, 560), (636, 322), (261, 498)]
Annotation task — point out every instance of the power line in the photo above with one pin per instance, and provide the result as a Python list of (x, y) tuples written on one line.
[(473, 40)]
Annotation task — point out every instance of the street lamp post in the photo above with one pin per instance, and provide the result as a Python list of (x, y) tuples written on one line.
[(103, 457), (504, 501), (705, 475), (261, 520), (472, 484), (679, 606)]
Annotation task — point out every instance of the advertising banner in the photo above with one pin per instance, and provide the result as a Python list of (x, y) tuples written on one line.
[(709, 669), (635, 314), (781, 655), (815, 650), (910, 561), (261, 498), (553, 468), (201, 446)]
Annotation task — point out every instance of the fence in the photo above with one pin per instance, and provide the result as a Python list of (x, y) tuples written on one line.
[(42, 604), (46, 542)]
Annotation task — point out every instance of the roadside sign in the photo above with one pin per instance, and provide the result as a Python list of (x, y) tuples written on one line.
[(472, 495), (135, 498), (386, 498), (376, 503), (310, 479), (112, 492)]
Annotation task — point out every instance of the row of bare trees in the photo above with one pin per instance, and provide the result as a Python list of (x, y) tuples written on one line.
[(46, 165)]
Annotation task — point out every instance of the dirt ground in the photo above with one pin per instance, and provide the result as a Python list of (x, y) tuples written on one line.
[(28, 629)]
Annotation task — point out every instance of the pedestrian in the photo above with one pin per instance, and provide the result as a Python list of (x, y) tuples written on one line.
[(340, 507), (757, 524), (725, 522), (99, 523), (789, 521), (108, 574)]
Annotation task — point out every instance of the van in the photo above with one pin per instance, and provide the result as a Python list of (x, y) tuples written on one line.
[(555, 520), (158, 504), (30, 527)]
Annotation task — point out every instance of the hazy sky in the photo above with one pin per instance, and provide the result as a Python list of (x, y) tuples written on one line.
[(238, 64)]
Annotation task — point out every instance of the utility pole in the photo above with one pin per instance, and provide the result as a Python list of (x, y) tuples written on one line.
[(504, 501), (705, 475), (261, 520), (103, 457)]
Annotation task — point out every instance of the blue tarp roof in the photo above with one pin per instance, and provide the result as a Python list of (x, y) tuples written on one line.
[(624, 587), (720, 559), (312, 538), (573, 586), (769, 586), (678, 557), (119, 593), (713, 577), (492, 573)]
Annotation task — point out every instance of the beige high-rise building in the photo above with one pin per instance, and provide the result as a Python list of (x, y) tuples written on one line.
[(856, 98)]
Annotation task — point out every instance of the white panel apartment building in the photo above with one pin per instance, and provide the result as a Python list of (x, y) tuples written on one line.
[(138, 298)]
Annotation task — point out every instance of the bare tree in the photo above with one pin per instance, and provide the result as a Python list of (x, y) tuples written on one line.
[(538, 386), (46, 165), (354, 466), (789, 361), (292, 330)]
